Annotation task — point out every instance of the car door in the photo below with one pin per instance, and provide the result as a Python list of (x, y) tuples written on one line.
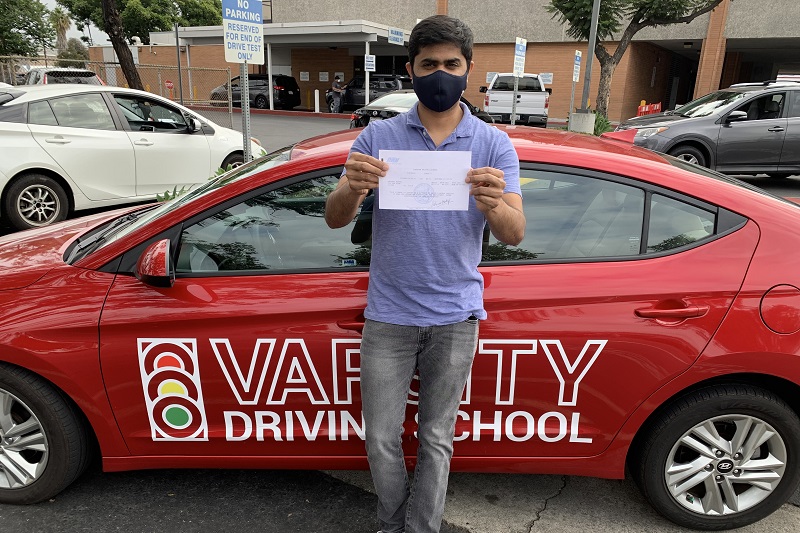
[(236, 92), (790, 155), (755, 144), (254, 350), (585, 321), (79, 133), (167, 154), (354, 94)]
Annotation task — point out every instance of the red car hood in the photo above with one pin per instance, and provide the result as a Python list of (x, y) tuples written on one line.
[(26, 256)]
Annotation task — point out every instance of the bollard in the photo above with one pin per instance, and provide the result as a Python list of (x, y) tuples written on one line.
[(316, 100)]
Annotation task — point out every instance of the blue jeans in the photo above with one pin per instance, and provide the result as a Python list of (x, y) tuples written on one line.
[(389, 356)]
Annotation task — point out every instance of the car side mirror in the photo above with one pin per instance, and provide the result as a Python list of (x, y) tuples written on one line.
[(736, 116), (549, 90), (155, 266), (483, 88), (192, 124)]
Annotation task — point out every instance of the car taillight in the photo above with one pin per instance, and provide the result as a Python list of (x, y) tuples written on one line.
[(278, 87), (485, 102), (353, 116), (547, 101), (44, 79)]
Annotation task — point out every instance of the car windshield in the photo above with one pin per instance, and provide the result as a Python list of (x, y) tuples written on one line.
[(150, 213), (705, 105), (402, 100), (66, 76)]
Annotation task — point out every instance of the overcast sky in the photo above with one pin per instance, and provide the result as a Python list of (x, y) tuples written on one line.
[(98, 37)]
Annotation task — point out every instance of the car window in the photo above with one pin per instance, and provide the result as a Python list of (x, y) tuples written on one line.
[(705, 105), (674, 224), (72, 76), (527, 84), (144, 114), (41, 113), (764, 107), (356, 83), (794, 98), (83, 111), (571, 216), (503, 83), (283, 229)]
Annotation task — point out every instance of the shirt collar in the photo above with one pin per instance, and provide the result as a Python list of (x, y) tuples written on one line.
[(465, 128)]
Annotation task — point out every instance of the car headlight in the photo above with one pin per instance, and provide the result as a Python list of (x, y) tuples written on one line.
[(644, 133)]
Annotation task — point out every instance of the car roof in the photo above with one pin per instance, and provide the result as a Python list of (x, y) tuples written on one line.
[(38, 92)]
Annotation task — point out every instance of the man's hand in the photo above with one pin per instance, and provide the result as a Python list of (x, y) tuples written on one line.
[(487, 187), (363, 171)]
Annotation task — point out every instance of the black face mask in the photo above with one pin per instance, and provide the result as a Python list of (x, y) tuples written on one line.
[(441, 90)]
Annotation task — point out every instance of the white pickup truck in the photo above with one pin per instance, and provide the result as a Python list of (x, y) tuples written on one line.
[(533, 100)]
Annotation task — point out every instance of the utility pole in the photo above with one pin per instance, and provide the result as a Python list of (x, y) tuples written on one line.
[(587, 76)]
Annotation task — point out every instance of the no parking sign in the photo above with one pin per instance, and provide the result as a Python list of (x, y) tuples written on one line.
[(244, 31)]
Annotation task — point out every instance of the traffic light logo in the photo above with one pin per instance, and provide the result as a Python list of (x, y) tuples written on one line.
[(172, 390)]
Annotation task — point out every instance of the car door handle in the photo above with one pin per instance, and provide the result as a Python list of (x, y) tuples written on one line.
[(143, 142), (352, 325), (58, 139), (776, 128), (693, 311)]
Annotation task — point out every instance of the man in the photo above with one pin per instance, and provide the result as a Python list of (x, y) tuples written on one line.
[(425, 296), (337, 91)]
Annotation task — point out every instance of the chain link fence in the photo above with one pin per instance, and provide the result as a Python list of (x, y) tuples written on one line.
[(205, 90)]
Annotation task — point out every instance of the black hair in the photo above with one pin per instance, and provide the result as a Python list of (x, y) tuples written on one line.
[(440, 29)]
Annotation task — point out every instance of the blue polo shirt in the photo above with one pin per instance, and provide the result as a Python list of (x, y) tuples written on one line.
[(424, 264)]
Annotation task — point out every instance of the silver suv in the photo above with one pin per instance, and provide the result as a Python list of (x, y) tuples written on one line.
[(748, 128)]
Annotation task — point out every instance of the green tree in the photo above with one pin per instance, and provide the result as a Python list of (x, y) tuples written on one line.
[(74, 54), (639, 14), (61, 24), (140, 17), (24, 28)]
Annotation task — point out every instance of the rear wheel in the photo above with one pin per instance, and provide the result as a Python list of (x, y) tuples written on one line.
[(261, 102), (35, 200), (720, 458), (44, 445), (689, 154)]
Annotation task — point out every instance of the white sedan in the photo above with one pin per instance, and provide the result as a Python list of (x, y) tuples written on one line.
[(66, 148)]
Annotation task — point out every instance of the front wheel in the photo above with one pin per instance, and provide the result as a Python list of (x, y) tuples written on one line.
[(35, 200), (233, 161), (261, 102), (690, 154), (44, 445), (720, 458)]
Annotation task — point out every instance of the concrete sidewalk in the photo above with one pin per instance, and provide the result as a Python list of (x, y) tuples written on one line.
[(520, 503)]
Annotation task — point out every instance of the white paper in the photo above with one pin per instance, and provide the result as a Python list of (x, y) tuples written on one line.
[(425, 181)]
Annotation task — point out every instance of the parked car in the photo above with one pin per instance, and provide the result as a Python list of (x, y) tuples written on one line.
[(379, 84), (76, 147), (50, 75), (285, 92), (396, 102), (533, 99), (648, 323), (748, 128)]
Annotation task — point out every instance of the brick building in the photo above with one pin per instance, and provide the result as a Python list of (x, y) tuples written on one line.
[(739, 41)]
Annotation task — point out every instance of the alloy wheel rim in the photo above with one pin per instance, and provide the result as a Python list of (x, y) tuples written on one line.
[(24, 450), (38, 205), (725, 465), (688, 158)]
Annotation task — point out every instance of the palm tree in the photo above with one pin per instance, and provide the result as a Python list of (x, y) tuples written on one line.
[(61, 23)]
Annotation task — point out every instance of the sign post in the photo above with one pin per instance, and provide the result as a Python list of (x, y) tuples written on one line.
[(519, 69), (576, 74), (243, 29)]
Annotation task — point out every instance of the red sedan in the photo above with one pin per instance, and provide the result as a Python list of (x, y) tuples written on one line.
[(650, 319)]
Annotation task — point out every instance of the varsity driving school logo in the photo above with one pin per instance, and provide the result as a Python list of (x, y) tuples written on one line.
[(172, 391)]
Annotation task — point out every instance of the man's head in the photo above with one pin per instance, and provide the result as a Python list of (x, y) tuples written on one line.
[(336, 78), (440, 29)]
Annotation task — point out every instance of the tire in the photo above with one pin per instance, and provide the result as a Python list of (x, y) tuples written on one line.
[(52, 446), (689, 154), (234, 160), (261, 102), (717, 488), (35, 200), (779, 175)]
